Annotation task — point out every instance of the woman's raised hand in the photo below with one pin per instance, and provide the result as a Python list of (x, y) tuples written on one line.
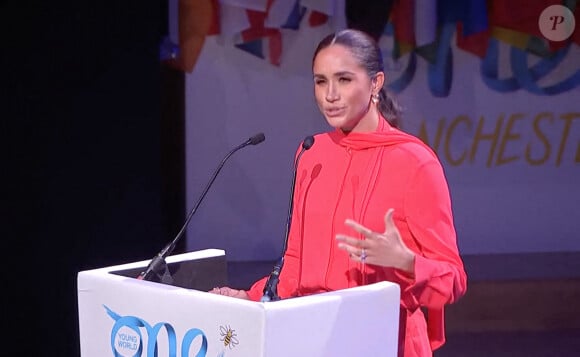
[(384, 249)]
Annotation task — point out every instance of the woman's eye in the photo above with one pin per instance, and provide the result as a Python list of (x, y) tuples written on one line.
[(344, 79), (319, 81)]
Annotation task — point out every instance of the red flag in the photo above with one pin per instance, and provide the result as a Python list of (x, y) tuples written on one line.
[(520, 16), (475, 43), (258, 30), (576, 33), (403, 18), (215, 28), (317, 18)]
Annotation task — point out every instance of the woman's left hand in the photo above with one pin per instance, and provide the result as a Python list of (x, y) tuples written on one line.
[(385, 249), (227, 291)]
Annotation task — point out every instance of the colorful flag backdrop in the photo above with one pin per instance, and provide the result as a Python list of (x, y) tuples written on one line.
[(480, 84)]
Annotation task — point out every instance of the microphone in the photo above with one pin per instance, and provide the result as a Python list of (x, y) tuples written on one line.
[(158, 263), (271, 287)]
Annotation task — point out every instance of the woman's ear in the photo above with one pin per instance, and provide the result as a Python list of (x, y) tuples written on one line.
[(378, 81)]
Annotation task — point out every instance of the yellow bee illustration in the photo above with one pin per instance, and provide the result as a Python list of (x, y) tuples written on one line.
[(228, 336)]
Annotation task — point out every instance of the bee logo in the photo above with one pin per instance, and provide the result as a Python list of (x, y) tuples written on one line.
[(228, 336)]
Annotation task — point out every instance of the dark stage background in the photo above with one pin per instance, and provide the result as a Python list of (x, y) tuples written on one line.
[(92, 167)]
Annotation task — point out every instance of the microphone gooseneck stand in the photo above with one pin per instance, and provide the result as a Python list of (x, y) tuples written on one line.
[(158, 266), (270, 292)]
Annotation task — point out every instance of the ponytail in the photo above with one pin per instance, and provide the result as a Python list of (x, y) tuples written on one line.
[(389, 108)]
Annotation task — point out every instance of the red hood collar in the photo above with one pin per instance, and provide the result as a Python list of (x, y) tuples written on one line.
[(385, 135)]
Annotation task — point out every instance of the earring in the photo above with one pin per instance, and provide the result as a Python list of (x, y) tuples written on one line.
[(375, 98)]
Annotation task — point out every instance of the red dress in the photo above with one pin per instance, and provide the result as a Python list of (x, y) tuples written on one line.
[(360, 176)]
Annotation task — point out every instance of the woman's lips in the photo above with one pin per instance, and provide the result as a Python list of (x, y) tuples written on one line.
[(334, 112)]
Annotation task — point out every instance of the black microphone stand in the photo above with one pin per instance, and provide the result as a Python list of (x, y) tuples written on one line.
[(271, 287), (158, 266)]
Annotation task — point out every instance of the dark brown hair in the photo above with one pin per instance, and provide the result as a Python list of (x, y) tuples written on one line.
[(368, 54)]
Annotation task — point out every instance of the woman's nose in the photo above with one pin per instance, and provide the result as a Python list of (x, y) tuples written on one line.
[(332, 93)]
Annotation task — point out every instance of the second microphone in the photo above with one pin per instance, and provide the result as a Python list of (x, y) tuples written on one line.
[(271, 287)]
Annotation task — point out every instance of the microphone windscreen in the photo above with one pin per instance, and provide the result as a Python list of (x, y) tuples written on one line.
[(308, 142), (258, 138)]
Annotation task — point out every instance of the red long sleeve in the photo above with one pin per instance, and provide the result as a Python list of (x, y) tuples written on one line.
[(439, 275)]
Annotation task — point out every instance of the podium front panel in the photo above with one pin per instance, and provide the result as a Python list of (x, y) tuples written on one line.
[(122, 316)]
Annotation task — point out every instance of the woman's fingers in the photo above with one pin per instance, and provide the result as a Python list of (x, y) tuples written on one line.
[(356, 248), (389, 222), (227, 291), (359, 227), (346, 240)]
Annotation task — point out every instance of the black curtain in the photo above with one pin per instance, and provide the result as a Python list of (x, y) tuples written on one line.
[(369, 16), (92, 155)]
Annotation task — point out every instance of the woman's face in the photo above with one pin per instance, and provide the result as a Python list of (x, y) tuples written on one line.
[(343, 90)]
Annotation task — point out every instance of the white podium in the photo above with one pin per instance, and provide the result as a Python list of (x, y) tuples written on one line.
[(120, 315)]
